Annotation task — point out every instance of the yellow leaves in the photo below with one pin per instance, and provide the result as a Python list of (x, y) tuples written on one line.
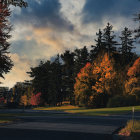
[(135, 69), (24, 100), (104, 73), (134, 77), (83, 83)]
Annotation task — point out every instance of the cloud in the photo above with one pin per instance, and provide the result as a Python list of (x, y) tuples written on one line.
[(44, 13), (18, 73), (96, 10), (49, 27)]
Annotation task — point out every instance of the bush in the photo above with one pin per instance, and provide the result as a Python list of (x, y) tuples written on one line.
[(136, 91), (120, 101)]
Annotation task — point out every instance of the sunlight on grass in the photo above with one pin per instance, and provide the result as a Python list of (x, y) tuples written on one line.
[(92, 112), (131, 129), (5, 121), (69, 107)]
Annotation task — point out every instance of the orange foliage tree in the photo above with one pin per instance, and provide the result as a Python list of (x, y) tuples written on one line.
[(105, 76), (24, 100), (132, 85), (96, 82), (83, 85)]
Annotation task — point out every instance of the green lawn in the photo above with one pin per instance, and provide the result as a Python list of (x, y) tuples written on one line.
[(92, 112)]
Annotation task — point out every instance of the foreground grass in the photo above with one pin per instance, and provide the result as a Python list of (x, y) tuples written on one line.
[(92, 112), (131, 129)]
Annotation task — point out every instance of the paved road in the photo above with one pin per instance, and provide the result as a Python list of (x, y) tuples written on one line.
[(16, 134), (56, 125)]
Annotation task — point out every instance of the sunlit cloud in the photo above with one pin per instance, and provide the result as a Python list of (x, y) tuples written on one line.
[(18, 72)]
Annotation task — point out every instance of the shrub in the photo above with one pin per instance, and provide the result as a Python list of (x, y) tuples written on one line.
[(120, 101)]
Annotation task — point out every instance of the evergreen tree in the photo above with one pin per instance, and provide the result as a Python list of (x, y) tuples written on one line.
[(55, 83), (5, 28), (68, 74), (41, 76), (98, 47), (81, 58), (108, 39), (126, 45)]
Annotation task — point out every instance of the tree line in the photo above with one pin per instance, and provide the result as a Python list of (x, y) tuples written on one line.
[(101, 75), (88, 76)]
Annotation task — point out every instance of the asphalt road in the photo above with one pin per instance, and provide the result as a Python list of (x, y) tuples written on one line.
[(15, 134), (57, 126)]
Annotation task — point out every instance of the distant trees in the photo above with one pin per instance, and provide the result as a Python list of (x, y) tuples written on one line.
[(35, 99), (21, 93), (24, 100), (88, 78)]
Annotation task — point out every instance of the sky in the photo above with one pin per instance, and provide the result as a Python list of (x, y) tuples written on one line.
[(48, 27)]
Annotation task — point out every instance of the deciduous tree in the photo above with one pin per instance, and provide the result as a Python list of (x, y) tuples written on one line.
[(83, 85), (133, 82)]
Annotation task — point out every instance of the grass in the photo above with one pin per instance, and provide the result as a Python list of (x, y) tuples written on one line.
[(4, 120), (131, 129), (91, 112), (59, 108)]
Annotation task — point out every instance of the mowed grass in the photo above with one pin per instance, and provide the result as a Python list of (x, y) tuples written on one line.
[(91, 112)]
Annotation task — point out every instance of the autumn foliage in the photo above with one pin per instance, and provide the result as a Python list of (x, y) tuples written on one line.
[(35, 99), (2, 100), (95, 82), (134, 71), (132, 85), (105, 74), (24, 100), (83, 85)]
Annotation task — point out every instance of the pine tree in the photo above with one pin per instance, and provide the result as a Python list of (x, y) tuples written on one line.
[(126, 45), (68, 74), (55, 82), (81, 58), (108, 39), (98, 47), (5, 28)]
